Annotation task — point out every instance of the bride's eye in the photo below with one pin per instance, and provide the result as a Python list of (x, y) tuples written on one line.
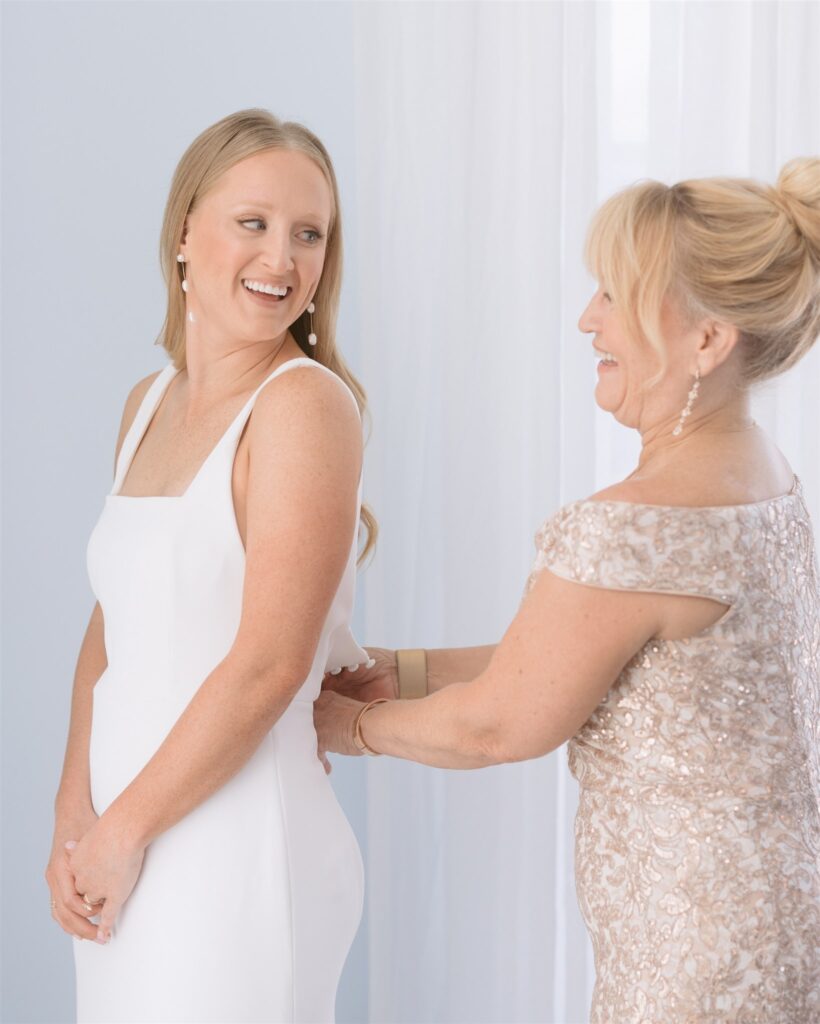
[(252, 220), (315, 235)]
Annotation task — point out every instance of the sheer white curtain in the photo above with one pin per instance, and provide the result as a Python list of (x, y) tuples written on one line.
[(486, 136)]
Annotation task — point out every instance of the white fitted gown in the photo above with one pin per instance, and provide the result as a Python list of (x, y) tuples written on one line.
[(245, 910)]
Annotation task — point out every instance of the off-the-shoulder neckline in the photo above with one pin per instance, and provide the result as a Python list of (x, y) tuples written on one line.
[(795, 492)]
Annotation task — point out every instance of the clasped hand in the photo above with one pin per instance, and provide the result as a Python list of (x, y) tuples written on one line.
[(105, 864)]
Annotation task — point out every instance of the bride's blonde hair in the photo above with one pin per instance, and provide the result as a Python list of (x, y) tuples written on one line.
[(212, 153), (731, 249)]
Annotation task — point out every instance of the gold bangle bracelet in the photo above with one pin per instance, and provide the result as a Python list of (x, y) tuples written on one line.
[(412, 672), (358, 739)]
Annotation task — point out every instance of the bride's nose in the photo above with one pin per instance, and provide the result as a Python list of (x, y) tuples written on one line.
[(277, 252)]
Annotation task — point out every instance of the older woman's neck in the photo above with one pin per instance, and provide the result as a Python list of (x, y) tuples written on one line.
[(705, 425)]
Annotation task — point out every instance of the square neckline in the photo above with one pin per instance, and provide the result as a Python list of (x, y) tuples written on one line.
[(148, 421), (150, 417)]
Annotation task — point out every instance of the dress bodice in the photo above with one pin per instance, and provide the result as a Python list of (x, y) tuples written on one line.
[(174, 566)]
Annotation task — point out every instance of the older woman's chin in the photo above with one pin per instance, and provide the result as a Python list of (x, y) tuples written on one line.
[(606, 399)]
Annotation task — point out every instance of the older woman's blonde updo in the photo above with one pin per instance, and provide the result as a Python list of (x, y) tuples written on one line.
[(208, 157), (732, 249)]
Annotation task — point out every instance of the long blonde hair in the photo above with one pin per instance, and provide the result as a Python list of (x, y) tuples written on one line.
[(213, 152), (732, 249)]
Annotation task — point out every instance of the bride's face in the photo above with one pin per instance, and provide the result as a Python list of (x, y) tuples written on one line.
[(625, 365), (265, 221)]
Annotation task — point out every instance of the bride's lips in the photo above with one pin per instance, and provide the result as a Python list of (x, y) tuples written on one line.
[(265, 299)]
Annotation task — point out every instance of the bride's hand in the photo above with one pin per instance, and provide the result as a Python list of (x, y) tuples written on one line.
[(334, 717), (70, 910), (366, 684), (106, 862)]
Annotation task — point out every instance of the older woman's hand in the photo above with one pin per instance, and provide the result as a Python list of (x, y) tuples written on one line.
[(335, 717), (365, 684), (105, 864)]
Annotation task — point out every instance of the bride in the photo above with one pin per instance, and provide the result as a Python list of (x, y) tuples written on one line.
[(193, 821)]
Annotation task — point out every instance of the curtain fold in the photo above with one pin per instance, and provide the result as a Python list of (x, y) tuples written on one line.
[(486, 136)]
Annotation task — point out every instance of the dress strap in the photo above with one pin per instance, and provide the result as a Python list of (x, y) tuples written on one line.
[(224, 451), (235, 430), (293, 364), (147, 408)]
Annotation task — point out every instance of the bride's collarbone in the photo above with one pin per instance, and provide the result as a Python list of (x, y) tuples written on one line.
[(171, 453)]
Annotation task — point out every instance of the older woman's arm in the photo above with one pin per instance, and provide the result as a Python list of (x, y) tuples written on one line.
[(564, 649), (448, 665)]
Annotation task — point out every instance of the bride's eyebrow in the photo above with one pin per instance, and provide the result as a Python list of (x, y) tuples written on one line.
[(263, 205)]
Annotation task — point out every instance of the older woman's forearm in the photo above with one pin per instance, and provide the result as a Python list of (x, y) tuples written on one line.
[(448, 665), (454, 728), (221, 727)]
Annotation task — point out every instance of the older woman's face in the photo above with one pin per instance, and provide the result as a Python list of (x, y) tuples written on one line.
[(264, 222), (625, 365)]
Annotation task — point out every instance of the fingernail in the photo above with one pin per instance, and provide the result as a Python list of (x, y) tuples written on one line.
[(71, 844), (101, 937)]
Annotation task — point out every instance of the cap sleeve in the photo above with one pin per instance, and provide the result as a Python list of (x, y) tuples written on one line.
[(624, 546)]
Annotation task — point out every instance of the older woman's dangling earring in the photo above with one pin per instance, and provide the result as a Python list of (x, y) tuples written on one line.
[(311, 336), (181, 259), (693, 394)]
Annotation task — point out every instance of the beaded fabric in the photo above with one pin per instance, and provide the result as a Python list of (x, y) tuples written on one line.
[(697, 836)]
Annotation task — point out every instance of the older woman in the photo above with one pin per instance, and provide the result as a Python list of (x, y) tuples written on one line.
[(192, 814), (670, 629)]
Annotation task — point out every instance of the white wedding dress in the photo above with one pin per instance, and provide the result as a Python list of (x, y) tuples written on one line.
[(245, 910)]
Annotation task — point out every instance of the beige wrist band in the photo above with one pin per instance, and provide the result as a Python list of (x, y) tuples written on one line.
[(412, 671)]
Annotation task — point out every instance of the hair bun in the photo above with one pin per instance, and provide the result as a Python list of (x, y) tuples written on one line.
[(798, 190)]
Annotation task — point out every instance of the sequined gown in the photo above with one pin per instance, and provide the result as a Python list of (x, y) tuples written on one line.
[(697, 833)]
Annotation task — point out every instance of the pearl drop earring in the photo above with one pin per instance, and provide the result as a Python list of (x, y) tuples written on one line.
[(311, 337), (693, 394), (181, 259)]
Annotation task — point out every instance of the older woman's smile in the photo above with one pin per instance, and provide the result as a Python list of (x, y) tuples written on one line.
[(606, 360)]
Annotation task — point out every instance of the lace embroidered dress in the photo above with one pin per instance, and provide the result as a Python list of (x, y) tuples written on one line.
[(697, 851)]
